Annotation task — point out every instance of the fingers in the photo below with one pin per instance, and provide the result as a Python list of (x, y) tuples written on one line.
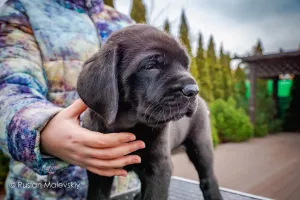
[(114, 152), (108, 172), (76, 108), (98, 140), (115, 163)]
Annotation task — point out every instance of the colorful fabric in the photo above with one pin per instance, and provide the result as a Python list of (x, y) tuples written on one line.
[(43, 44)]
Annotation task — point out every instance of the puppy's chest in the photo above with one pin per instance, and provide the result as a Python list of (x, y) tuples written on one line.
[(151, 136), (157, 148)]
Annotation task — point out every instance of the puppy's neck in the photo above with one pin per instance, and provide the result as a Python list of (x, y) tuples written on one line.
[(126, 119)]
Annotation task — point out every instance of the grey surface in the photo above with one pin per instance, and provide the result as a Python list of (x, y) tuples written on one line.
[(186, 190), (182, 190)]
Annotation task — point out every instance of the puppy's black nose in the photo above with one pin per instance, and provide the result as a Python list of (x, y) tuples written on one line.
[(190, 90)]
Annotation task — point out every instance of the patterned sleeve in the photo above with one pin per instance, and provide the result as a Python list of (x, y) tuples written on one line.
[(24, 109)]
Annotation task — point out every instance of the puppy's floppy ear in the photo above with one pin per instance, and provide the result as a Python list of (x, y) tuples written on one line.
[(97, 84)]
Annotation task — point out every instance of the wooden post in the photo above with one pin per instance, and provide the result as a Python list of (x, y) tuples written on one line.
[(275, 96), (252, 100)]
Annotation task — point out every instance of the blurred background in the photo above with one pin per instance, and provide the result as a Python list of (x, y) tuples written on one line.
[(256, 150)]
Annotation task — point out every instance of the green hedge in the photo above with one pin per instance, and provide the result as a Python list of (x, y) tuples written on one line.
[(265, 110), (232, 123)]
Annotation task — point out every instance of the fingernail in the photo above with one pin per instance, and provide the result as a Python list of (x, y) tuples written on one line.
[(137, 160), (124, 174), (142, 145), (132, 137)]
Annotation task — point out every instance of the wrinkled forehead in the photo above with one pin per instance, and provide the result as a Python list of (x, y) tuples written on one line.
[(145, 37), (142, 45), (138, 42)]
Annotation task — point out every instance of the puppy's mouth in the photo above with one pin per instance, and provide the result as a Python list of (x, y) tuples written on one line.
[(164, 112), (154, 120)]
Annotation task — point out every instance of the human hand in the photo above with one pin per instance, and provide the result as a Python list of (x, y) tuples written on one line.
[(103, 154)]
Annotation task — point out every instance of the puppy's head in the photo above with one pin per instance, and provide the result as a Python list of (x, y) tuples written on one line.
[(144, 68)]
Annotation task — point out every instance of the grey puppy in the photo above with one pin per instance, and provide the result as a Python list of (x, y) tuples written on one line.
[(139, 82)]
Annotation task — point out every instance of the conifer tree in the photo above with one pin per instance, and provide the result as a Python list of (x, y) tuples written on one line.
[(109, 2), (226, 71), (240, 88), (265, 106), (204, 81), (222, 55), (167, 26), (184, 37), (261, 91), (138, 11), (230, 89), (184, 32), (258, 49), (216, 74), (193, 69), (240, 78), (211, 54), (222, 62)]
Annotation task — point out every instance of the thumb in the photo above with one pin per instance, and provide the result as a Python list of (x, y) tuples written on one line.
[(75, 109)]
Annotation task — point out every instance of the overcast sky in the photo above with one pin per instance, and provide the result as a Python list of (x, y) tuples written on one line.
[(236, 23)]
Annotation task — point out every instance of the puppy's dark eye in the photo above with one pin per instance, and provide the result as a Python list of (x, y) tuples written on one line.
[(151, 66), (151, 63)]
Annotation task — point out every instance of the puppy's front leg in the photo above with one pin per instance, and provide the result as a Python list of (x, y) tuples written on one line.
[(99, 187), (201, 155), (200, 151), (155, 179)]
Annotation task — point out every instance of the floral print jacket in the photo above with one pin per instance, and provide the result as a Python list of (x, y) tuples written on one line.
[(43, 45)]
